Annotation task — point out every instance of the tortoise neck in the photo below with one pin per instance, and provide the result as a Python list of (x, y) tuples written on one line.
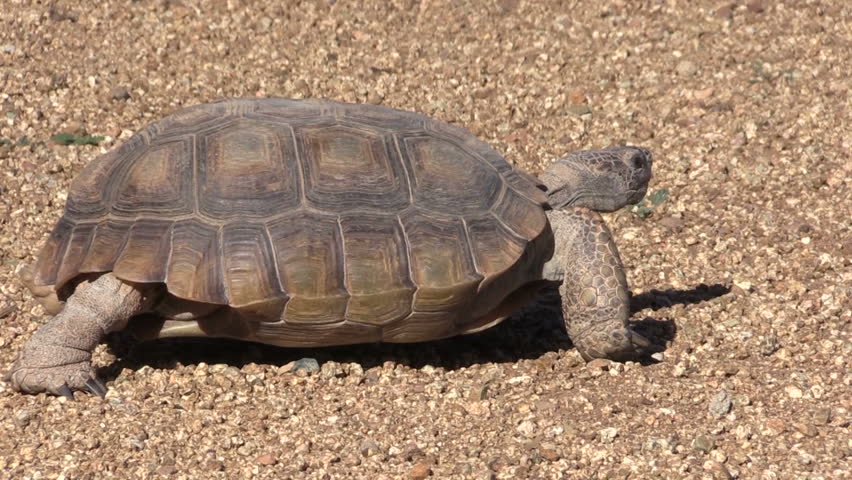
[(554, 269)]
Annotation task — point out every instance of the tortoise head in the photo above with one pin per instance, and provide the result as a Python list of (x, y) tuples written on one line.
[(601, 180)]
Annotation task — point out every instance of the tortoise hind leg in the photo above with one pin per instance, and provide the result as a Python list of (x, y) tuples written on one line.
[(595, 298), (57, 359)]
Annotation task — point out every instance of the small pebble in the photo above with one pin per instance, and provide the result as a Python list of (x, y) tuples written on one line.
[(550, 453), (725, 12), (703, 443), (167, 470), (686, 68), (743, 432), (720, 404), (526, 428), (22, 418), (419, 471), (806, 429), (368, 447), (719, 456), (120, 93), (331, 370), (672, 223), (793, 391), (608, 434), (756, 6), (137, 442), (775, 426), (577, 96), (579, 110), (307, 365), (599, 364), (703, 94), (718, 469), (822, 416)]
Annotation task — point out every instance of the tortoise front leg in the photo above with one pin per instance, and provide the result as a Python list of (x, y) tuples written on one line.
[(57, 359), (595, 298)]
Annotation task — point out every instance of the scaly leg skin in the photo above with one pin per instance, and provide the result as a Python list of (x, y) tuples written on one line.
[(595, 299), (57, 359)]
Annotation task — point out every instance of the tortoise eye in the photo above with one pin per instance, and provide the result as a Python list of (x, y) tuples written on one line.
[(638, 161)]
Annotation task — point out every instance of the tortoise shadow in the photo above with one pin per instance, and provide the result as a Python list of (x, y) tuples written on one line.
[(662, 331), (511, 341), (657, 299), (530, 334)]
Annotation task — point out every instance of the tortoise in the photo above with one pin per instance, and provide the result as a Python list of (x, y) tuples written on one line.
[(304, 223)]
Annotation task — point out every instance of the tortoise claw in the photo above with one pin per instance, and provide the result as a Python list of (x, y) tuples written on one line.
[(639, 342), (65, 391), (96, 387)]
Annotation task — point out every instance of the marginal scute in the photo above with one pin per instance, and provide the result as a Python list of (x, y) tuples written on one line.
[(246, 168), (524, 218), (507, 261), (495, 247), (307, 248), (527, 185), (50, 257), (422, 325), (441, 265), (194, 268), (188, 120), (376, 265), (288, 110), (249, 265), (107, 243), (348, 168), (146, 253), (314, 335), (78, 244), (385, 118)]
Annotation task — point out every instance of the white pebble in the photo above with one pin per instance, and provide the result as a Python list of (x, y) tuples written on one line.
[(793, 391)]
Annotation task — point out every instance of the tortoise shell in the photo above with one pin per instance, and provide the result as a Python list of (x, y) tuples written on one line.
[(317, 220)]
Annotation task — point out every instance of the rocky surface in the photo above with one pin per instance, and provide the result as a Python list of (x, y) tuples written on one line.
[(740, 263)]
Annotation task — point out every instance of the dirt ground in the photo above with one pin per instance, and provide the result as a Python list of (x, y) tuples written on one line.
[(741, 271)]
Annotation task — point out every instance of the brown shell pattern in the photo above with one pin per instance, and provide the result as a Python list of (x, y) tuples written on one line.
[(319, 214)]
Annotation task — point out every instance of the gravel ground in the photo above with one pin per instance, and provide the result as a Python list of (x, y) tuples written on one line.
[(743, 271)]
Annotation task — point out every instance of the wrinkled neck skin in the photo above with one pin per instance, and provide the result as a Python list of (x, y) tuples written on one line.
[(569, 185), (554, 269)]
